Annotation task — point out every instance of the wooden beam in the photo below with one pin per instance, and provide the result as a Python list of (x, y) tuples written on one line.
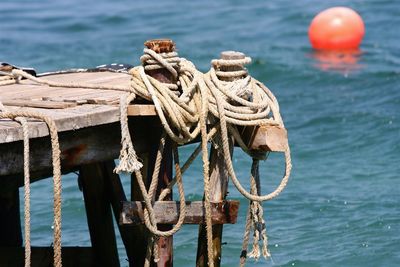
[(10, 222), (167, 212), (99, 215), (43, 256), (265, 138), (83, 146), (77, 147), (142, 110)]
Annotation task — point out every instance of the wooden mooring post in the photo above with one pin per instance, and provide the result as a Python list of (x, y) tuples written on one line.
[(218, 180), (165, 244)]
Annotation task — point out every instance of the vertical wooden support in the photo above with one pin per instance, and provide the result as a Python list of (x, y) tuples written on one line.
[(10, 222), (139, 232), (218, 182), (219, 185), (165, 244), (117, 195), (99, 215)]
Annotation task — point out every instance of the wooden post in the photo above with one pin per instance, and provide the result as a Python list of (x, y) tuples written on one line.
[(10, 222), (99, 216), (139, 232), (218, 182), (117, 196), (165, 244)]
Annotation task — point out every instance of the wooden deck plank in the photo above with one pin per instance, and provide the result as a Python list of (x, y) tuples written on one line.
[(67, 118), (38, 104), (37, 92), (27, 89)]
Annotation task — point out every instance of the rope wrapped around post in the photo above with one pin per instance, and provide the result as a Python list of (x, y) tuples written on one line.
[(184, 108), (247, 114), (245, 102), (180, 125)]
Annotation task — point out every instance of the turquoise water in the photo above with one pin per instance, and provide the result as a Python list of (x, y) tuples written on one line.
[(342, 205)]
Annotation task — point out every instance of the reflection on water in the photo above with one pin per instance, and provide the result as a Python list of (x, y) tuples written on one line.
[(344, 61)]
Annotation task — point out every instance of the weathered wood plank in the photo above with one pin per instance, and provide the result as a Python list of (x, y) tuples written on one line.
[(142, 110), (43, 256), (29, 90), (38, 104), (74, 118), (167, 212), (67, 116), (79, 147), (65, 119)]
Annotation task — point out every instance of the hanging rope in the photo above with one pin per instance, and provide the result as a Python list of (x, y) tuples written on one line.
[(184, 109), (255, 221), (247, 114), (27, 190), (56, 178)]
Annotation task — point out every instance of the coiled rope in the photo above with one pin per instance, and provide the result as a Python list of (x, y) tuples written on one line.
[(245, 102), (184, 109), (183, 125)]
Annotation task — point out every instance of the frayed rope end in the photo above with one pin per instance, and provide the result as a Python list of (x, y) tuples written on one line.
[(128, 162)]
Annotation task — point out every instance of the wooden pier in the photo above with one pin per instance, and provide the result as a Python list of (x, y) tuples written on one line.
[(88, 123)]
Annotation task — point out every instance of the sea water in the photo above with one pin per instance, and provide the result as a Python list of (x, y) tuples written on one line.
[(342, 204)]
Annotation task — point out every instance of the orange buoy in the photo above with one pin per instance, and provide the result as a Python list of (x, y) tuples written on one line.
[(336, 28)]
